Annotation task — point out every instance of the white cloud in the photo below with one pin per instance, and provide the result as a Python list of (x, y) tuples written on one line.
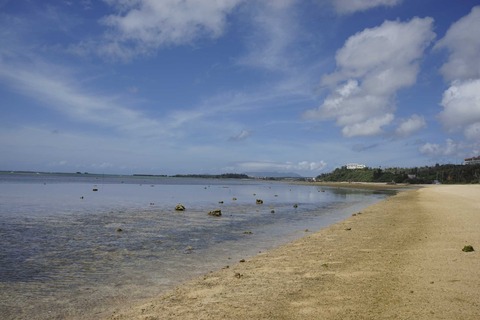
[(472, 132), (276, 166), (431, 149), (411, 125), (369, 127), (463, 43), (351, 6), (313, 166), (383, 51), (372, 66), (461, 103), (450, 148), (142, 26)]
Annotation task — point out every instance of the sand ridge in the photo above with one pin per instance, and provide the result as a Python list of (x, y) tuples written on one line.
[(399, 259)]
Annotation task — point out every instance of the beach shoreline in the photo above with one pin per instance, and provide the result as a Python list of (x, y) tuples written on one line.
[(366, 185), (401, 258)]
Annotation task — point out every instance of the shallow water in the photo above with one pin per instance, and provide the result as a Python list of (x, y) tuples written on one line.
[(71, 252)]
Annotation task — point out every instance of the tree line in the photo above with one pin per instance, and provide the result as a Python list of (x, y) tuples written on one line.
[(446, 174)]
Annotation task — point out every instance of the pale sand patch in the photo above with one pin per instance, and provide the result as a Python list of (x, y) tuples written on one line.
[(399, 259)]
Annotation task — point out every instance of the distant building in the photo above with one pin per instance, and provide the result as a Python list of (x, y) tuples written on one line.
[(352, 166), (474, 160)]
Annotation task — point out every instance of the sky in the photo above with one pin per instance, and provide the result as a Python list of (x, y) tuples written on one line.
[(220, 86)]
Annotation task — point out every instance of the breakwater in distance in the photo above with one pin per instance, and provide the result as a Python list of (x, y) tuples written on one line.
[(71, 252)]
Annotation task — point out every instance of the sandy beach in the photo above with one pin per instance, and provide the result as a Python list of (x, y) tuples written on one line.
[(399, 259)]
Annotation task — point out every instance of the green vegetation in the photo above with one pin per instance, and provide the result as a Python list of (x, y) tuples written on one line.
[(448, 174)]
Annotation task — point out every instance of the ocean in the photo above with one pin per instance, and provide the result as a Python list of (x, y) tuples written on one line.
[(77, 246)]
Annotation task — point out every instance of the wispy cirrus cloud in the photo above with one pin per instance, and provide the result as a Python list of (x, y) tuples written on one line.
[(244, 134), (56, 88), (351, 6), (27, 67), (274, 31)]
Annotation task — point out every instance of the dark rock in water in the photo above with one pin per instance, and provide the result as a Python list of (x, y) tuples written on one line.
[(273, 211), (295, 205), (215, 213), (259, 201), (180, 207), (468, 248), (119, 230)]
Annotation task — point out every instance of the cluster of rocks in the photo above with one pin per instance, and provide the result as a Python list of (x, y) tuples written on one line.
[(180, 207), (215, 213), (218, 212)]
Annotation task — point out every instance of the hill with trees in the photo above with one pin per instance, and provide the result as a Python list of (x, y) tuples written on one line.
[(447, 174)]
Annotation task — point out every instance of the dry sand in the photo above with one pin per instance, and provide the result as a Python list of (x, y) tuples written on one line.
[(399, 259)]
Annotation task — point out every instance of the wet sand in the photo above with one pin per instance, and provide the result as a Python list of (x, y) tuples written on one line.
[(399, 259)]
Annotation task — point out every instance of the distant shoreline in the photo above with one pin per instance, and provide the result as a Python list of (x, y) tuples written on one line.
[(367, 185)]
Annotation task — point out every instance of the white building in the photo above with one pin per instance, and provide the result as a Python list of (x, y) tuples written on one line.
[(474, 160), (352, 166)]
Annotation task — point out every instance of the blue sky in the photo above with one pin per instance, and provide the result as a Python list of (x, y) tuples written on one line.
[(204, 86)]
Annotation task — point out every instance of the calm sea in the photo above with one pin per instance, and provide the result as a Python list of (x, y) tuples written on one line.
[(69, 252)]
